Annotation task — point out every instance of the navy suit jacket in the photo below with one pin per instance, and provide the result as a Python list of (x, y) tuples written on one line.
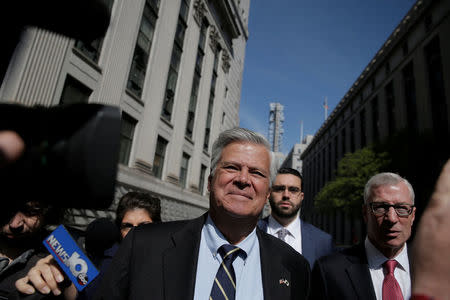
[(159, 261), (343, 275), (315, 242)]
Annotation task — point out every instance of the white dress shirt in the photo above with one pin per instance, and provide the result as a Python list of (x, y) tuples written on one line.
[(376, 259), (294, 237)]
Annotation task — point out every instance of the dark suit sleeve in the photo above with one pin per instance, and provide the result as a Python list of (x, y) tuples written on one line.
[(318, 285), (115, 283), (330, 245)]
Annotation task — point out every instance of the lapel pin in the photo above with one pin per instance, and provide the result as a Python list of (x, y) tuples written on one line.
[(284, 281)]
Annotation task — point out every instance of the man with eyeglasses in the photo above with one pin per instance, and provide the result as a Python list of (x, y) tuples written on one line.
[(379, 268), (286, 196)]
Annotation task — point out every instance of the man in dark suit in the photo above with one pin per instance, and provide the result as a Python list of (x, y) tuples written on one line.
[(179, 260), (380, 267), (285, 200)]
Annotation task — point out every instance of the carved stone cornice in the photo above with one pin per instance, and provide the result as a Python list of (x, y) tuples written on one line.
[(225, 61), (143, 166), (199, 11), (213, 38)]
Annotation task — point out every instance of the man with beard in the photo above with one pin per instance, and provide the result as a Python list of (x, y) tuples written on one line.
[(285, 200), (21, 243)]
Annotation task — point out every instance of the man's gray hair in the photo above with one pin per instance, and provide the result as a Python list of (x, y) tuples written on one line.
[(233, 135), (386, 178)]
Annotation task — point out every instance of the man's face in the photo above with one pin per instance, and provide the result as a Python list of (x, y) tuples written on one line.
[(389, 232), (286, 196), (240, 185), (24, 223)]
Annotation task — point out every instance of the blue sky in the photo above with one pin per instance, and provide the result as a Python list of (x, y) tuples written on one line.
[(301, 51)]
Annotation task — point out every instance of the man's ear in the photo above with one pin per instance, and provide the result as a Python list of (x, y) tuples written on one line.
[(413, 215)]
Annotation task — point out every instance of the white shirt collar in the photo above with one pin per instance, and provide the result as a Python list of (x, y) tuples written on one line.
[(294, 227), (376, 259)]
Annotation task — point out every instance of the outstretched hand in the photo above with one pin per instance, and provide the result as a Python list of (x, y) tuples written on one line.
[(46, 277), (431, 246)]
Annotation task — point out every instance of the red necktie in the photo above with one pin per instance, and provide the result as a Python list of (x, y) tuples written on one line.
[(391, 288)]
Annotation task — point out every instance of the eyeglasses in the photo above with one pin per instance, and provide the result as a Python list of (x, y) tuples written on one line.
[(281, 188), (381, 209)]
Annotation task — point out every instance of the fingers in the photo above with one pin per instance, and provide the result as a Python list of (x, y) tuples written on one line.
[(23, 286), (11, 147), (44, 276), (441, 194)]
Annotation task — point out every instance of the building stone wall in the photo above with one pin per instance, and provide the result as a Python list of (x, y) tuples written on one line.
[(44, 60), (293, 159), (368, 114)]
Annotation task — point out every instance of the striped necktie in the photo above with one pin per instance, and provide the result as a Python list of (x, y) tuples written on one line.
[(224, 286)]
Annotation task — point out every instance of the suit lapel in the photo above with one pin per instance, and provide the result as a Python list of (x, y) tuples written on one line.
[(180, 261), (359, 274), (276, 277)]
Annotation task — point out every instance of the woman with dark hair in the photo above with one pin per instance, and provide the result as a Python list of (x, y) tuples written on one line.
[(136, 208)]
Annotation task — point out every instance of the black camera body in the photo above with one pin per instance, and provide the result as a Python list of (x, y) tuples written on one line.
[(71, 152), (70, 157)]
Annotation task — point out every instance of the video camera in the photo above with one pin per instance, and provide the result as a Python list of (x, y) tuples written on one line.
[(71, 151)]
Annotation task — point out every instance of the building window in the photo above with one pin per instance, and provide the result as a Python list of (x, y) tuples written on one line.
[(405, 48), (428, 22), (184, 169), (409, 86), (211, 102), (375, 119), (74, 92), (388, 68), (362, 124), (127, 127), (436, 85), (192, 106), (196, 81), (336, 151), (201, 184), (343, 142), (329, 165), (208, 122), (142, 49), (160, 153), (390, 106), (177, 51), (93, 49), (352, 135)]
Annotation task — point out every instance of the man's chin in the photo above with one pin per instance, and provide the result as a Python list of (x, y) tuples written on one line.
[(285, 213)]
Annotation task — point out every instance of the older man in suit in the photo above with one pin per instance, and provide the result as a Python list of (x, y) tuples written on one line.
[(380, 268), (220, 255), (285, 200)]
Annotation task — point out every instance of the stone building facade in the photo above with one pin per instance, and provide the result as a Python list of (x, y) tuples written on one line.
[(293, 159), (174, 67), (405, 87)]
